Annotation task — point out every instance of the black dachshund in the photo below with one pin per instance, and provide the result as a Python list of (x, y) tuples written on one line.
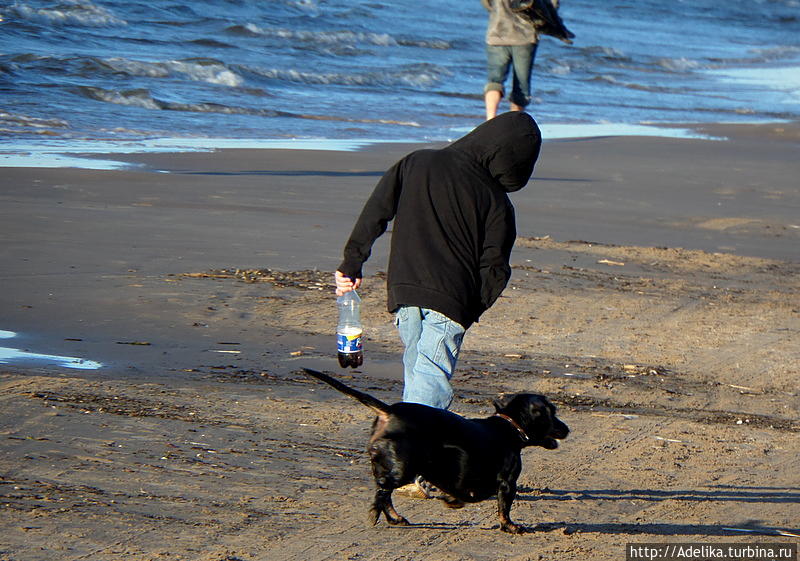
[(469, 460)]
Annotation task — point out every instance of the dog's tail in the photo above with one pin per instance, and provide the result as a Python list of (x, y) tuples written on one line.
[(373, 403)]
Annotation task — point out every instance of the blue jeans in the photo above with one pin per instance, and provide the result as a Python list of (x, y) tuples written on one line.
[(432, 342), (500, 59)]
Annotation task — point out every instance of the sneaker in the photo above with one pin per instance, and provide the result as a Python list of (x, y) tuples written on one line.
[(418, 489)]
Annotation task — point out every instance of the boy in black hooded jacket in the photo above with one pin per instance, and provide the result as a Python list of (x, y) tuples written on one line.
[(451, 243)]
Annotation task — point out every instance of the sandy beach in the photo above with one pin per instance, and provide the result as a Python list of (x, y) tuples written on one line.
[(655, 299)]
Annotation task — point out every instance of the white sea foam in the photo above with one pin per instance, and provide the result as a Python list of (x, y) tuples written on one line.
[(131, 98), (310, 7), (18, 122), (604, 52), (212, 72), (325, 37), (70, 12), (136, 68), (560, 68), (343, 37), (424, 75), (678, 64)]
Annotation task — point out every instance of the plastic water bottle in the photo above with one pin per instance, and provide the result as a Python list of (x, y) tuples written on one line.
[(349, 331)]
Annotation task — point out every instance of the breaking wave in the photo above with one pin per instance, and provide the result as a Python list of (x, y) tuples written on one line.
[(11, 123), (337, 37), (417, 76), (68, 12), (143, 98), (678, 64), (201, 70)]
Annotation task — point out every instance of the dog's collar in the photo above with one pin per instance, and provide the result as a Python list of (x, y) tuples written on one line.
[(515, 425)]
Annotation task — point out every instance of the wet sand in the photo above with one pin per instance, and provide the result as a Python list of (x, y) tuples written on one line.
[(655, 298)]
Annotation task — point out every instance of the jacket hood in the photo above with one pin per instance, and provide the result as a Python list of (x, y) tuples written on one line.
[(508, 146)]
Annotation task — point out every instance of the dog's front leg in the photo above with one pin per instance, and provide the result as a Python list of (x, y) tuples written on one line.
[(383, 504), (506, 493)]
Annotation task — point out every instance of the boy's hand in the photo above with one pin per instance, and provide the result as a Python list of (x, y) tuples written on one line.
[(345, 284)]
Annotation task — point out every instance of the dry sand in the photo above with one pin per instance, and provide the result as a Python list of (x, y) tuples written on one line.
[(655, 298)]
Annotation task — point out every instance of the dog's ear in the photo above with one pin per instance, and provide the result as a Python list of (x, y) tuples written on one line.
[(502, 402)]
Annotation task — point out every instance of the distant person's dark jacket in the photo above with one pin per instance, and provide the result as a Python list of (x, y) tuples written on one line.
[(453, 224)]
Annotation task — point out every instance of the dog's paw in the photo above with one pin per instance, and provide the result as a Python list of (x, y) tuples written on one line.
[(511, 528), (452, 502)]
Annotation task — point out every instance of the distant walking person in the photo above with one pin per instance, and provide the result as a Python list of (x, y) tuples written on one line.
[(511, 41)]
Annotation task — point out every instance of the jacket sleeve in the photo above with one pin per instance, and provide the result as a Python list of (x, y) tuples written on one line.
[(495, 268), (379, 209)]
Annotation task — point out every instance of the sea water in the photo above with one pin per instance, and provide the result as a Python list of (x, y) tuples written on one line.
[(107, 71), (10, 355)]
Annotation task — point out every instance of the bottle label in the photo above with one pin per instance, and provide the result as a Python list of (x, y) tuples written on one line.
[(350, 343)]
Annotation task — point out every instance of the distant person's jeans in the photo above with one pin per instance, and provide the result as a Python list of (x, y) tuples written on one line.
[(500, 59), (432, 342)]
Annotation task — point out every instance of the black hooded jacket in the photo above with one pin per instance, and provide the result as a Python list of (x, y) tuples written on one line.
[(453, 221)]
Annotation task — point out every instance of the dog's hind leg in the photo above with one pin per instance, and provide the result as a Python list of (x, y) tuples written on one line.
[(452, 502), (383, 505)]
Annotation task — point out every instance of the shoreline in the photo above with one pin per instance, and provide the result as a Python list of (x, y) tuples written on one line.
[(653, 299), (105, 155)]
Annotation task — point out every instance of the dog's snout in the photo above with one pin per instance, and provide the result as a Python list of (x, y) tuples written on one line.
[(560, 430)]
